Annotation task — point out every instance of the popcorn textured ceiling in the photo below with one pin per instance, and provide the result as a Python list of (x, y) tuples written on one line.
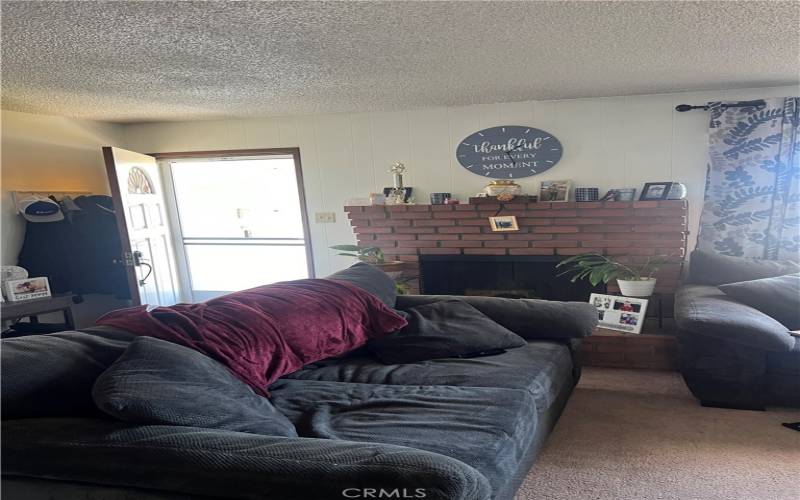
[(150, 61)]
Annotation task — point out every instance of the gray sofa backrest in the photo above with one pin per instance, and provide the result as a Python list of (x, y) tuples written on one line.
[(707, 268)]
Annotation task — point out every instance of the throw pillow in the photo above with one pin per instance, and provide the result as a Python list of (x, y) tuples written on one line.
[(371, 279), (52, 375), (156, 382), (445, 329), (706, 268), (777, 297), (264, 333)]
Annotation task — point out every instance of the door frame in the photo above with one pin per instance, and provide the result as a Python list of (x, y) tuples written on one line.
[(122, 225), (298, 171)]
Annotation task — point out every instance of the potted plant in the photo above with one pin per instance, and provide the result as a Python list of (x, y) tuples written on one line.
[(634, 280), (370, 255)]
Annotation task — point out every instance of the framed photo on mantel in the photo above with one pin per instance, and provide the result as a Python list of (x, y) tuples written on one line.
[(503, 223), (554, 191), (655, 191)]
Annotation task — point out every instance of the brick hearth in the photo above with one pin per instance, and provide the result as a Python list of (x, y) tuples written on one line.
[(629, 231)]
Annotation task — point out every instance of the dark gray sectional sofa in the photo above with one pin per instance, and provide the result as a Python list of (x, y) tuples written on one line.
[(733, 355), (448, 429)]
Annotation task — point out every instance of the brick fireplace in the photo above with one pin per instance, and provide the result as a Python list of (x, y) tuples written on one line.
[(629, 231), (548, 232)]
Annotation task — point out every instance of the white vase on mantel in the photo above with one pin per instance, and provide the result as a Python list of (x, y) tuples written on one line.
[(637, 288)]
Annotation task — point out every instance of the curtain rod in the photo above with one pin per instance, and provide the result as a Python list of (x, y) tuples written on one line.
[(688, 107)]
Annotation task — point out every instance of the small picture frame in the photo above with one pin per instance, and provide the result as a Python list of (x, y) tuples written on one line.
[(555, 191), (625, 194), (615, 312), (503, 223), (611, 195), (27, 289), (655, 191)]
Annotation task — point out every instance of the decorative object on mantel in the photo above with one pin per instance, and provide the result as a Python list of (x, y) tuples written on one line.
[(587, 194), (378, 198), (439, 198), (611, 195), (509, 152), (677, 191), (634, 280), (624, 194), (504, 190), (482, 198), (394, 196), (653, 191), (398, 194), (503, 223), (554, 191)]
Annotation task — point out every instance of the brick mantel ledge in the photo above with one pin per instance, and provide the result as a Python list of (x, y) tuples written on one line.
[(630, 231)]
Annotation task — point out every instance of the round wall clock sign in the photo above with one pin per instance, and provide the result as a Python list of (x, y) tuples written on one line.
[(509, 152)]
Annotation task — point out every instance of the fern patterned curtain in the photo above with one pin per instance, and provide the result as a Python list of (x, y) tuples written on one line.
[(752, 199)]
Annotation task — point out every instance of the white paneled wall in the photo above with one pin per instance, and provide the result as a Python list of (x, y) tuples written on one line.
[(608, 142)]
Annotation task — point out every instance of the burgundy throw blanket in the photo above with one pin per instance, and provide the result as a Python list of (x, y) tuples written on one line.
[(269, 331)]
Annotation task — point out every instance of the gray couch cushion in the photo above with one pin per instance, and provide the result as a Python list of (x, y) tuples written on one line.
[(446, 329), (221, 464), (52, 375), (706, 310), (157, 382), (541, 368), (778, 297), (371, 279), (706, 268), (531, 319), (487, 428)]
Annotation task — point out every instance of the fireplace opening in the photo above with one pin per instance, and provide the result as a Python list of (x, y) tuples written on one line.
[(529, 277)]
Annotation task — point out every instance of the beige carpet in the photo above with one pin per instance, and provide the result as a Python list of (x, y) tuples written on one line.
[(633, 434)]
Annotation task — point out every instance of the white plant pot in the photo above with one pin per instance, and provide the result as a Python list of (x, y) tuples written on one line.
[(637, 288)]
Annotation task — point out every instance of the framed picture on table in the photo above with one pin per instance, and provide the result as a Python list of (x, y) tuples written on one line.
[(27, 289), (615, 312)]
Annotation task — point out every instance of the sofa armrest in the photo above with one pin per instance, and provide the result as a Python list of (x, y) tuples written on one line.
[(224, 464), (707, 311), (529, 318)]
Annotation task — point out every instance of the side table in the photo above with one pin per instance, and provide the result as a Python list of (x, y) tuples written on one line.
[(613, 349), (32, 309)]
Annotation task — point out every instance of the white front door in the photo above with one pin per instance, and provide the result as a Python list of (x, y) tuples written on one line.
[(139, 200)]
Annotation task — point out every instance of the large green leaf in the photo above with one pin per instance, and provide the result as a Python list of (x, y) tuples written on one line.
[(347, 248)]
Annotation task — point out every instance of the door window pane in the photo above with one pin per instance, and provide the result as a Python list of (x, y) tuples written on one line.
[(219, 269), (241, 223), (238, 198)]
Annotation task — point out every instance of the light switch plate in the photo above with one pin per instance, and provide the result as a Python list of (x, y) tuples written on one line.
[(324, 217)]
